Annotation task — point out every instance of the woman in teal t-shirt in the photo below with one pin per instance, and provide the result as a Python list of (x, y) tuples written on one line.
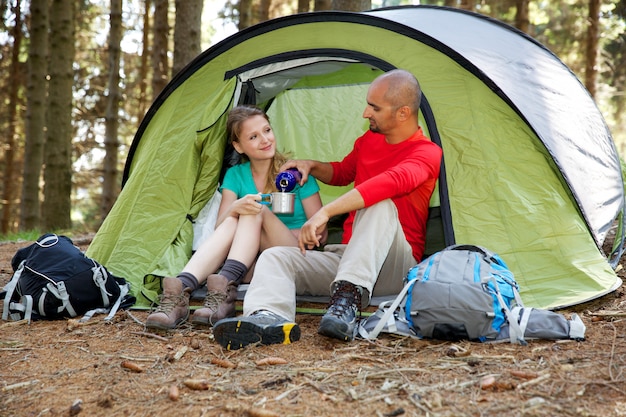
[(244, 226)]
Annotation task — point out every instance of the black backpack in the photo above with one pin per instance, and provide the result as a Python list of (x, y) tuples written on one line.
[(53, 279)]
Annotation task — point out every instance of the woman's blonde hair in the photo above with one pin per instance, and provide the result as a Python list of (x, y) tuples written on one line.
[(236, 117)]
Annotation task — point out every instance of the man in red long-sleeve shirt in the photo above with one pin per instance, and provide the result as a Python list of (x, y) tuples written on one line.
[(394, 168)]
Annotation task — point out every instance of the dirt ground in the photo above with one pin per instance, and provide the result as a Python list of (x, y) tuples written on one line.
[(59, 368)]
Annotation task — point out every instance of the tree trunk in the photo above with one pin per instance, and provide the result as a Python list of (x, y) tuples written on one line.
[(351, 5), (618, 115), (521, 15), (143, 70), (320, 5), (468, 5), (111, 120), (57, 155), (187, 33), (303, 6), (591, 57), (9, 191), (245, 14), (36, 91), (262, 11), (160, 64)]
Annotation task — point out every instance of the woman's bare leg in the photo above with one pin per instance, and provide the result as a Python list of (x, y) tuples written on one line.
[(258, 232), (212, 252), (253, 233), (173, 306), (275, 233)]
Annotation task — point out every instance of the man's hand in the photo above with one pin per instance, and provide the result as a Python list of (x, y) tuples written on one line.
[(312, 231), (302, 165), (323, 171)]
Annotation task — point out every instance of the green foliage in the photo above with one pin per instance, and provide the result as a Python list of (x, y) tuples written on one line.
[(20, 236), (32, 235)]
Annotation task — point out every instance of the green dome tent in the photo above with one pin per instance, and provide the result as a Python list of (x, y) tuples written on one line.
[(530, 169)]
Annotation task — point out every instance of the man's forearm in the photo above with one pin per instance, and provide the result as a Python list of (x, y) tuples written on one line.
[(323, 171), (350, 201)]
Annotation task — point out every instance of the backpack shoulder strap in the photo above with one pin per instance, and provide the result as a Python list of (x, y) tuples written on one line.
[(388, 314), (124, 290), (516, 332), (23, 308)]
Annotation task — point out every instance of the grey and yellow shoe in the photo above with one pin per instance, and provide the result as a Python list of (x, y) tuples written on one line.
[(262, 327)]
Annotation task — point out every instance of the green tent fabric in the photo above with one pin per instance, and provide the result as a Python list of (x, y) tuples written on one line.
[(530, 170)]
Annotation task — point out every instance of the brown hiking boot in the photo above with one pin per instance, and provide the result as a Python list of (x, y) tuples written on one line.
[(219, 302), (173, 308)]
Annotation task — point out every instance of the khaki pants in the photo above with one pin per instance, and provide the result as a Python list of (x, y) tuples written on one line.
[(377, 258)]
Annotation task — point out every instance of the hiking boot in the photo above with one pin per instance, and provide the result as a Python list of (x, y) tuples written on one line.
[(262, 327), (340, 319), (219, 302), (173, 308)]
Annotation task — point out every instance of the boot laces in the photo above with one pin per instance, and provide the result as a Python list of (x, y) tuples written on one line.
[(169, 302), (345, 298), (214, 298)]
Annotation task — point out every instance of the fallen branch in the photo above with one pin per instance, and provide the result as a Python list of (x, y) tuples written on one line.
[(73, 324), (177, 355), (151, 335), (20, 385), (144, 359), (394, 371), (14, 323), (354, 357), (608, 314), (613, 378), (446, 386), (313, 369), (13, 343), (135, 319), (478, 357), (289, 391), (535, 381)]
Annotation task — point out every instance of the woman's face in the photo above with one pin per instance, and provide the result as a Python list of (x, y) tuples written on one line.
[(256, 139)]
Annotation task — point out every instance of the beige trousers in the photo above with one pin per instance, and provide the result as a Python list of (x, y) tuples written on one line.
[(377, 258)]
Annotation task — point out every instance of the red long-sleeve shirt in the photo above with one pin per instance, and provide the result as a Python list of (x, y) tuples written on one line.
[(405, 172)]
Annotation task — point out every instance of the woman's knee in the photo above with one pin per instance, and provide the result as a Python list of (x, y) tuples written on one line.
[(251, 220)]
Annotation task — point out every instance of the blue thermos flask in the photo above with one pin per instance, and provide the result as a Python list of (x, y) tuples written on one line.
[(287, 180)]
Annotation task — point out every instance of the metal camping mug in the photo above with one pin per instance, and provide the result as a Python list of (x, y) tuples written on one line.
[(282, 203)]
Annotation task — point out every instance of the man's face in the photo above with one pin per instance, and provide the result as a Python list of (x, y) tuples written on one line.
[(379, 112)]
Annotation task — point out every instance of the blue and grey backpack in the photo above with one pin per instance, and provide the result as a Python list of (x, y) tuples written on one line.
[(466, 292)]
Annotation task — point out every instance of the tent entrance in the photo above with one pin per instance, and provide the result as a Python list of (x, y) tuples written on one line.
[(301, 93)]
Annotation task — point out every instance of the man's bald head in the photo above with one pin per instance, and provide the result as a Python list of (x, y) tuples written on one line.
[(403, 89)]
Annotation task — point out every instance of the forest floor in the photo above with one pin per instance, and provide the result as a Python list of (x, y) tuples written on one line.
[(62, 368)]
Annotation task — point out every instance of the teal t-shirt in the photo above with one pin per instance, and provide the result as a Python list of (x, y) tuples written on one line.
[(238, 179)]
